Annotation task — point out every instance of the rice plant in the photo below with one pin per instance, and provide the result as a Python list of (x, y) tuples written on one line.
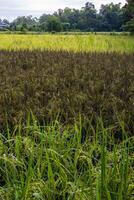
[(66, 124), (51, 162), (65, 84), (75, 43)]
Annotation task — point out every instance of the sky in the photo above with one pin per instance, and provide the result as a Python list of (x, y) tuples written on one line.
[(10, 9)]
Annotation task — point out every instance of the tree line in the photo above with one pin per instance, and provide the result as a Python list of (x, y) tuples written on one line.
[(111, 17)]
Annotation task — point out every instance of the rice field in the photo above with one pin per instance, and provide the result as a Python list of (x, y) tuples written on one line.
[(66, 117), (76, 43)]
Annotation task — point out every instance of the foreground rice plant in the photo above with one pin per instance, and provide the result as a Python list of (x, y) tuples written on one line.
[(53, 162), (76, 43)]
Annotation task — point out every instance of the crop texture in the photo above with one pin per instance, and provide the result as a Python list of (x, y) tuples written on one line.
[(66, 125), (75, 43), (63, 84)]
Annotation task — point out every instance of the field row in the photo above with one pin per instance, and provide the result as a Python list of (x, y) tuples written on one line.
[(76, 43), (64, 85)]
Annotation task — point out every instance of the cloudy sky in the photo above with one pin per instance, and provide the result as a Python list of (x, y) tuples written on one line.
[(11, 8)]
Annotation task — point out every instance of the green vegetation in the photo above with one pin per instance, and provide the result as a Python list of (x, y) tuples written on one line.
[(67, 105), (77, 43), (110, 18), (129, 16), (66, 117), (51, 162)]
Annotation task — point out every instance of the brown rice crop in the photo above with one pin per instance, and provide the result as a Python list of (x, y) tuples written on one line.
[(65, 85)]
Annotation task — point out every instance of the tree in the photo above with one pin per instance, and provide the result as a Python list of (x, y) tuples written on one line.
[(111, 17), (5, 21), (66, 26), (54, 24), (25, 23), (129, 16), (129, 26), (89, 15), (129, 9)]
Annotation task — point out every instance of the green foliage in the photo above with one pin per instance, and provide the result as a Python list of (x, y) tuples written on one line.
[(129, 9), (53, 24), (50, 162), (109, 18), (66, 26), (129, 16), (24, 23), (129, 26)]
